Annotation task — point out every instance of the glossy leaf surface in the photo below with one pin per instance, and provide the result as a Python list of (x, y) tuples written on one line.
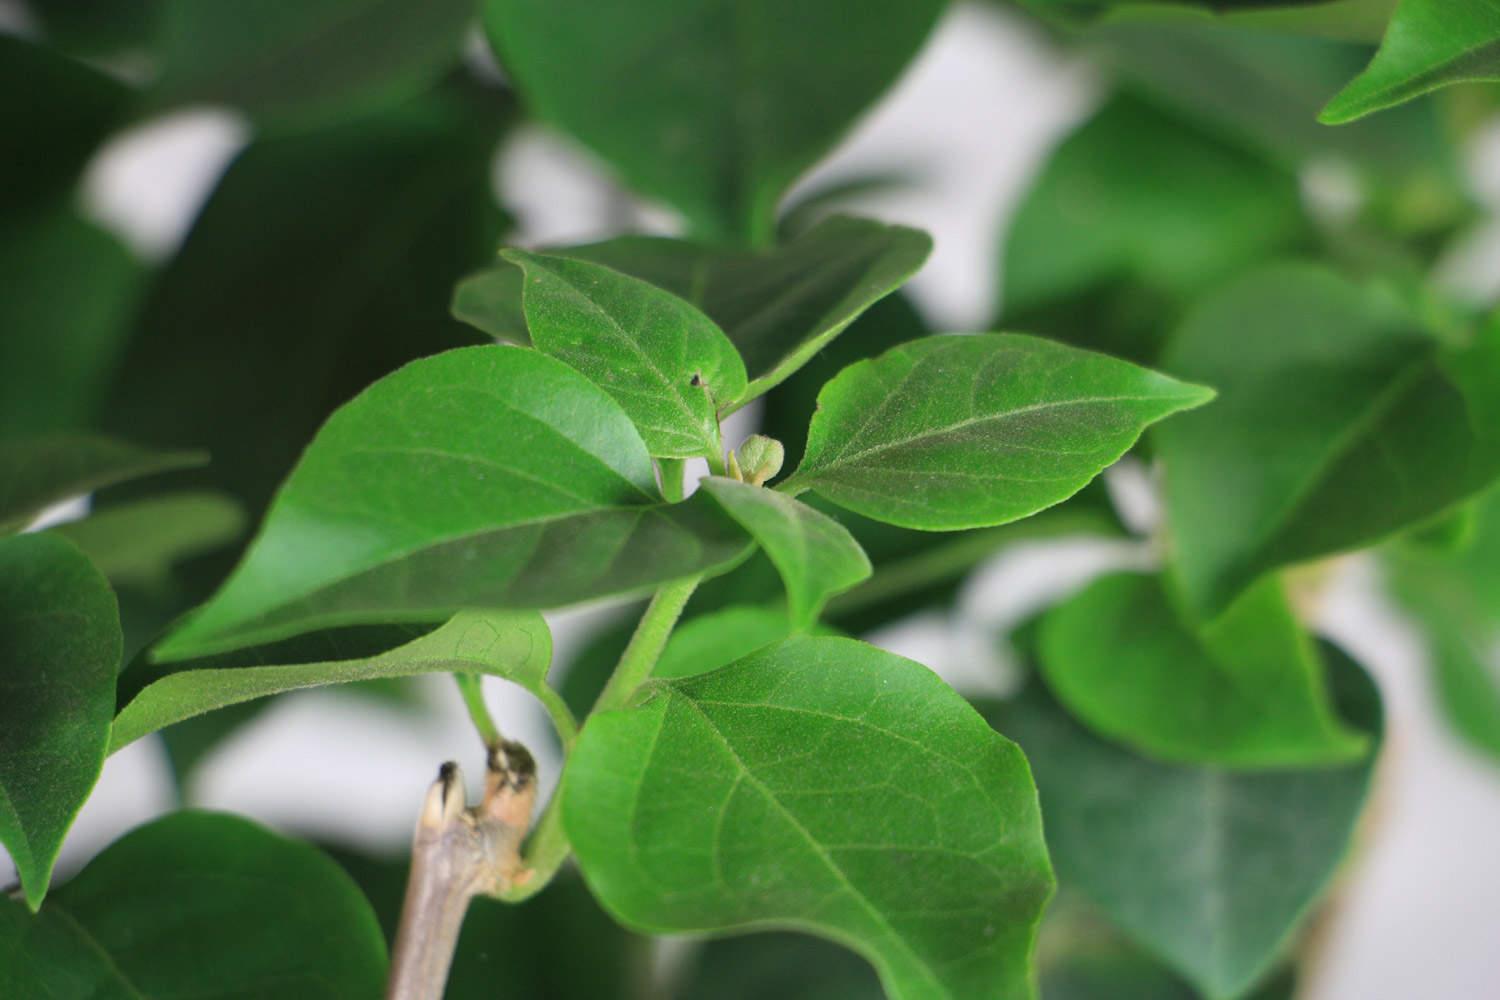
[(661, 359), (36, 472), (815, 555), (514, 645), (308, 63), (969, 431), (1428, 44), (1247, 690), (483, 477), (1210, 870), (59, 650), (1339, 421), (713, 108), (779, 306), (912, 835), (200, 905)]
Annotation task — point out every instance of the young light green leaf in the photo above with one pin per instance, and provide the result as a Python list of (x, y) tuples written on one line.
[(815, 555), (1455, 597), (1429, 44), (36, 472), (304, 64), (138, 541), (482, 477), (661, 359), (914, 840), (696, 104), (199, 905), (1339, 422), (779, 306), (59, 651), (513, 645), (1178, 856), (1246, 690), (955, 432)]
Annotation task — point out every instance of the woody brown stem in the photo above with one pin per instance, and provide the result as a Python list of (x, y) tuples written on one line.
[(457, 853)]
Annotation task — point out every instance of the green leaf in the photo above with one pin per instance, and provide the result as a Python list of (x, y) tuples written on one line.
[(959, 432), (71, 292), (719, 638), (482, 477), (781, 965), (1133, 214), (1339, 422), (660, 358), (292, 66), (1080, 956), (198, 905), (513, 645), (713, 108), (1455, 597), (1210, 870), (36, 472), (59, 650), (1429, 44), (914, 840), (1246, 690), (780, 306), (136, 542), (266, 321), (815, 555)]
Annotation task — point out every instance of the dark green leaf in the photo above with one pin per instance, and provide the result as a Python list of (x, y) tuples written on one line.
[(59, 651), (661, 359), (307, 63), (1246, 690), (721, 637), (816, 556), (711, 107), (54, 113), (779, 306), (36, 472), (970, 431), (514, 645), (267, 320), (1339, 422), (1429, 44), (137, 542), (482, 477), (1134, 213), (1081, 957), (1210, 870), (198, 905), (70, 294), (780, 965), (915, 839)]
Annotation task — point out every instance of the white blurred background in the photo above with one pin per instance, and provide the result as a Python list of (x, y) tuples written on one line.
[(1418, 914)]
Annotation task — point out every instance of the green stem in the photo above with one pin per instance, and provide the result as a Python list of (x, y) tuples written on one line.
[(650, 637), (672, 470), (716, 465), (562, 716), (473, 695)]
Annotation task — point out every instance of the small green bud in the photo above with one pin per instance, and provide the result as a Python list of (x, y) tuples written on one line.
[(757, 460)]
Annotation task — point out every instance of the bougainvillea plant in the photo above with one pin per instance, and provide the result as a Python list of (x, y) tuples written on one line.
[(350, 431)]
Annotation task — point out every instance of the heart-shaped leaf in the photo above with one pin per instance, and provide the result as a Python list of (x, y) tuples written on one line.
[(815, 555), (780, 306), (1429, 44), (914, 838), (696, 104), (954, 432), (198, 905), (482, 477), (658, 356), (1211, 870), (514, 645), (1246, 690), (36, 472), (308, 63), (1340, 421), (59, 651)]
